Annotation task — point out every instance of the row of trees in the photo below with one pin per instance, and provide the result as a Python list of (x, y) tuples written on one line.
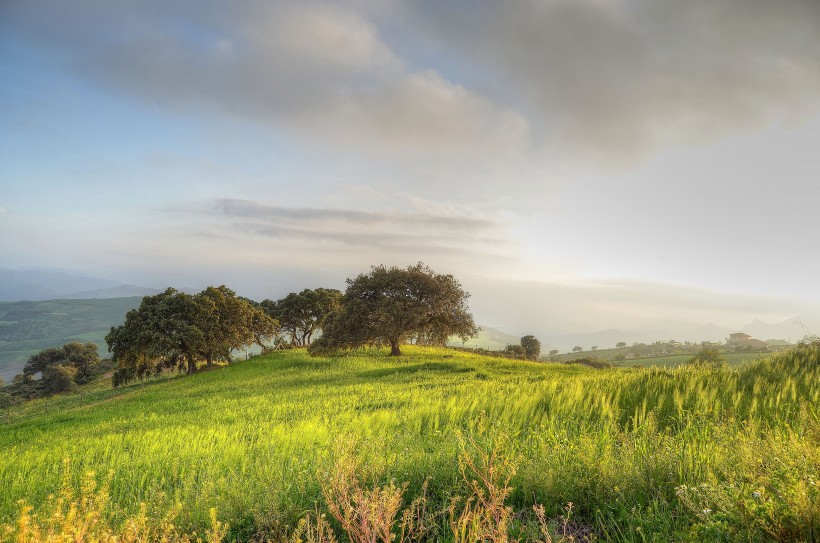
[(388, 306), (175, 329)]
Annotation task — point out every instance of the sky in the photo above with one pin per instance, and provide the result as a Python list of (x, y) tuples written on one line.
[(576, 164)]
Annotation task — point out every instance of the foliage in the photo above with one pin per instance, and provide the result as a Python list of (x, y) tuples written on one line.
[(517, 351), (86, 516), (301, 315), (708, 356), (83, 358), (6, 400), (577, 349), (531, 347), (60, 369), (591, 362), (175, 329), (391, 306)]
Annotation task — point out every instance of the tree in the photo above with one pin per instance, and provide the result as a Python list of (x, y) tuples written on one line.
[(577, 349), (80, 361), (515, 350), (708, 356), (554, 352), (393, 305), (301, 315), (175, 329), (620, 345), (58, 378), (6, 401), (594, 348), (531, 347)]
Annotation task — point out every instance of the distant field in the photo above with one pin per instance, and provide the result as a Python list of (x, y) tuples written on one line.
[(644, 455), (27, 327), (675, 360)]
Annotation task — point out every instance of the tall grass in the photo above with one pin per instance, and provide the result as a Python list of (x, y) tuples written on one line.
[(642, 454)]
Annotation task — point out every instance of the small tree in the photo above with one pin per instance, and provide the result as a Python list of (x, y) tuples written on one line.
[(515, 350), (6, 401), (620, 345), (78, 362), (708, 356), (577, 349), (531, 346), (58, 378)]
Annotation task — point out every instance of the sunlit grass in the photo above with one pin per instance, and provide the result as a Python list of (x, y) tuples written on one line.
[(254, 440)]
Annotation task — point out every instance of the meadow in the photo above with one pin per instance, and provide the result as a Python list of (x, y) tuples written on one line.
[(642, 454)]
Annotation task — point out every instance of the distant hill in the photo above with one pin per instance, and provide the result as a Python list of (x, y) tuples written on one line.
[(121, 291), (29, 326), (788, 329), (488, 338), (37, 284)]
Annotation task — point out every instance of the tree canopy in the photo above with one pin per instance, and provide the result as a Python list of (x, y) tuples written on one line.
[(392, 306), (57, 369), (531, 347), (175, 329), (301, 315)]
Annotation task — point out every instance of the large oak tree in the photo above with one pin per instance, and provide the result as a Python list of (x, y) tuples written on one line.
[(392, 306)]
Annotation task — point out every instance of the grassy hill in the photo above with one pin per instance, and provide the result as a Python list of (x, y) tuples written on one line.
[(27, 327), (642, 454)]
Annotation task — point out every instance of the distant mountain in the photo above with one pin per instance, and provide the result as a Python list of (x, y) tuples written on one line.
[(681, 330), (789, 329), (121, 291), (38, 284)]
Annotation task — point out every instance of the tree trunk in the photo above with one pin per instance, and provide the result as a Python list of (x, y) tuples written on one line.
[(191, 364), (394, 348), (210, 359)]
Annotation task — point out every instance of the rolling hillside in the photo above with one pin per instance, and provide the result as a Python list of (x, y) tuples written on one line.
[(27, 327), (640, 453)]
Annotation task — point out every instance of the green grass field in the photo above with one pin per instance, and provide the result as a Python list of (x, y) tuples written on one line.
[(643, 454)]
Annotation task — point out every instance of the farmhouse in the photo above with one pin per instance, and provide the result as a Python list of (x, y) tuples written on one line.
[(744, 341)]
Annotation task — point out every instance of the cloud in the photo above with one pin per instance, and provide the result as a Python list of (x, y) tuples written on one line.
[(259, 210), (465, 94), (617, 79), (396, 232), (319, 69)]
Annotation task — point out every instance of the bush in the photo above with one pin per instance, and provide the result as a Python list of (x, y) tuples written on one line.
[(591, 362)]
